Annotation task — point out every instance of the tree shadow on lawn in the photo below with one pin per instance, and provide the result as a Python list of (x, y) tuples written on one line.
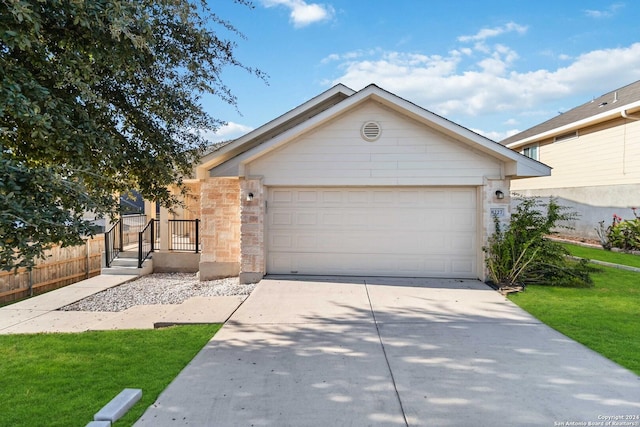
[(456, 354)]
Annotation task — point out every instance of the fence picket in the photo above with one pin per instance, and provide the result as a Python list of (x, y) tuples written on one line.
[(62, 267)]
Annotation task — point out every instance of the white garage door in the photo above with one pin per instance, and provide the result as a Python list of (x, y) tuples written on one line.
[(410, 232)]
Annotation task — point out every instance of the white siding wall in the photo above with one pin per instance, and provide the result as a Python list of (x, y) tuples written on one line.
[(603, 155), (407, 153)]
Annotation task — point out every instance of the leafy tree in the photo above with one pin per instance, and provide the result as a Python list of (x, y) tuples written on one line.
[(521, 253), (98, 97)]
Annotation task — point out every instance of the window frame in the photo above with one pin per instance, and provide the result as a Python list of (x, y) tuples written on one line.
[(526, 151)]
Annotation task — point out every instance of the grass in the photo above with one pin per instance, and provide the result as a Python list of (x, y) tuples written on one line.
[(602, 255), (64, 379), (604, 318)]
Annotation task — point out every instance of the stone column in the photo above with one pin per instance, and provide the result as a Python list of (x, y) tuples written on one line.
[(491, 205), (163, 224), (252, 214), (220, 228)]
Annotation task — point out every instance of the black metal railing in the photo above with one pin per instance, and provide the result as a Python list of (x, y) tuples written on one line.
[(146, 242), (112, 243), (131, 225), (131, 230), (184, 235)]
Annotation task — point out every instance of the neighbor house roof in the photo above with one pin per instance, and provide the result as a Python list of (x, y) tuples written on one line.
[(338, 100), (616, 103)]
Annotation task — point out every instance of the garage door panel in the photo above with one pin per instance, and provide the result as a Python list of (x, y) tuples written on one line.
[(372, 231), (307, 196), (462, 267), (462, 242), (307, 218), (332, 197), (281, 218), (279, 241), (282, 197), (461, 199)]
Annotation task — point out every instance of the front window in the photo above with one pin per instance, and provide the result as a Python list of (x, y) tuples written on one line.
[(531, 152)]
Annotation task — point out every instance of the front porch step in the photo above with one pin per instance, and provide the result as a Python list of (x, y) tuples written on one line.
[(128, 254), (121, 271), (128, 265), (125, 262)]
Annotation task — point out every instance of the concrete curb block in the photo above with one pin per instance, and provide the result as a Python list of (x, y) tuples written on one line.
[(609, 264), (119, 405), (99, 424)]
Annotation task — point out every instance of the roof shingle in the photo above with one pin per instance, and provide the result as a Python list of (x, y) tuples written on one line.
[(609, 101)]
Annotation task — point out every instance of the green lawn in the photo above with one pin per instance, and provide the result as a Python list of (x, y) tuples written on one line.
[(605, 318), (64, 379), (602, 255)]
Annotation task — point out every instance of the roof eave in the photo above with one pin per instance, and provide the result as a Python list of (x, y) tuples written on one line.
[(589, 121), (516, 165), (522, 165)]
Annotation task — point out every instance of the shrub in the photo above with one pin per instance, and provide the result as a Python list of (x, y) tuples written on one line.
[(622, 234), (521, 253)]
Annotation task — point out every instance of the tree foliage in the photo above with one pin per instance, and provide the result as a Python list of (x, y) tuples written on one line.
[(521, 253), (99, 97)]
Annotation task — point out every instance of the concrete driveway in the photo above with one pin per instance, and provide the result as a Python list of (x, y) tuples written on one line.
[(392, 352)]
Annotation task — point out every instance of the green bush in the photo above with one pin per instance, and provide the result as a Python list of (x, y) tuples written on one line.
[(622, 234), (521, 254)]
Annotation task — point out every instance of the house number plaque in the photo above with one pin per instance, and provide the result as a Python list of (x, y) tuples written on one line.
[(497, 212)]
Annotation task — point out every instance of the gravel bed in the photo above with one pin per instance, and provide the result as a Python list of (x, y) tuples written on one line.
[(159, 288)]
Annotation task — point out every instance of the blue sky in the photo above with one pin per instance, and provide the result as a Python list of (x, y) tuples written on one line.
[(496, 67)]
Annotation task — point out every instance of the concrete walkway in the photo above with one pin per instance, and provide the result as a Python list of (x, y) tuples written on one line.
[(391, 352), (40, 314)]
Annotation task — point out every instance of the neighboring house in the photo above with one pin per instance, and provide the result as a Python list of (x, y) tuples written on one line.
[(355, 183), (594, 150)]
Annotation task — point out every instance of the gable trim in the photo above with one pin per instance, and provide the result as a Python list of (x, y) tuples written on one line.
[(516, 165), (243, 143)]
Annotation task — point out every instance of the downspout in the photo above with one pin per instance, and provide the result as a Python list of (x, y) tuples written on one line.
[(624, 114)]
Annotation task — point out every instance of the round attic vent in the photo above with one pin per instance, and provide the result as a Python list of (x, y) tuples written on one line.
[(371, 131)]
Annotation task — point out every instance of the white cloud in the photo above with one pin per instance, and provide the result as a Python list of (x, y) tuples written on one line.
[(302, 13), (227, 132), (607, 13), (448, 85), (487, 33), (355, 54), (497, 135)]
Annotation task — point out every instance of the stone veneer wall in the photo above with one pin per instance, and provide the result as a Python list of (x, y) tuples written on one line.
[(252, 214), (220, 228), (192, 201), (490, 201)]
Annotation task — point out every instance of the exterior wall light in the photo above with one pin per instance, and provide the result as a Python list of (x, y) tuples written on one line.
[(249, 197), (499, 195)]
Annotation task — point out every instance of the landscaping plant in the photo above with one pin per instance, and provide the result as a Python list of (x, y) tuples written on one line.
[(622, 234), (521, 253)]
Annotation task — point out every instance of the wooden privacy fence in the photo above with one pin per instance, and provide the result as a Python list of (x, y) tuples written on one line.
[(61, 267)]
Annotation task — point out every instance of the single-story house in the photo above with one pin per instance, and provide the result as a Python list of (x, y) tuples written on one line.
[(355, 183), (594, 150)]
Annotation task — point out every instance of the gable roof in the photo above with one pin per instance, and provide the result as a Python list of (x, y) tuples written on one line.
[(273, 128), (600, 109), (340, 99)]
